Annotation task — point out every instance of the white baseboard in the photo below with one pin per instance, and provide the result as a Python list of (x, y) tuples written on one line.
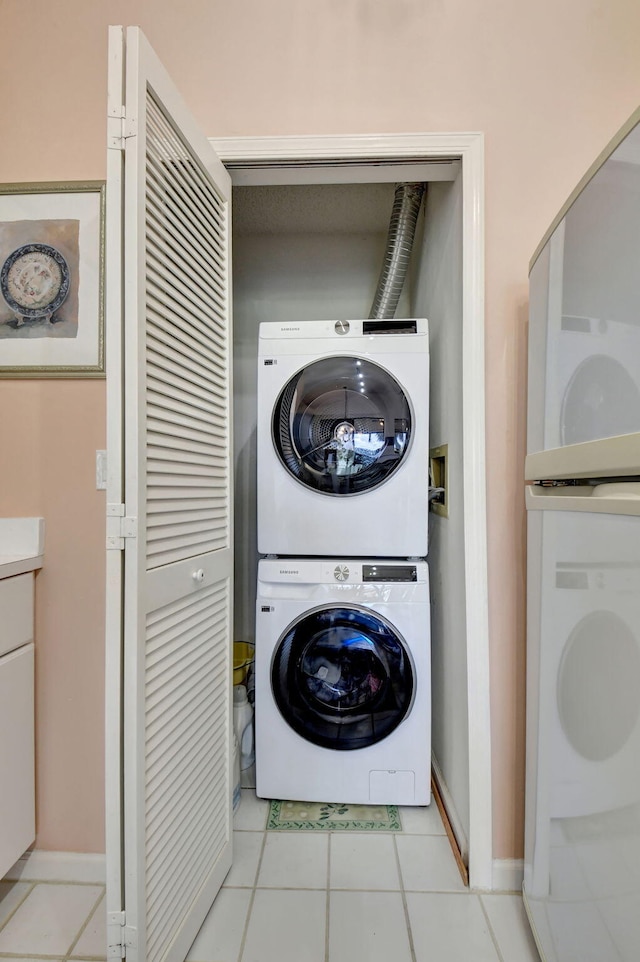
[(59, 867), (507, 874)]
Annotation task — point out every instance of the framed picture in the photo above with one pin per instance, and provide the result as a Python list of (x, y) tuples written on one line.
[(52, 280)]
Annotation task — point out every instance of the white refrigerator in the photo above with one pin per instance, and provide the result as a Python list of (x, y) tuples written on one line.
[(582, 823)]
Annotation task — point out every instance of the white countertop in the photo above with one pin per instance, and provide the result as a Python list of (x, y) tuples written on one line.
[(11, 565), (21, 545)]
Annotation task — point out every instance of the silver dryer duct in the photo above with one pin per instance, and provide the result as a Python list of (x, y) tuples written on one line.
[(402, 228)]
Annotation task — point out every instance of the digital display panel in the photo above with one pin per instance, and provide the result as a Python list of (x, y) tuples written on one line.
[(382, 572)]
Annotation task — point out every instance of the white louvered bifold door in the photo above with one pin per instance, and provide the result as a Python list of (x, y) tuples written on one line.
[(177, 524)]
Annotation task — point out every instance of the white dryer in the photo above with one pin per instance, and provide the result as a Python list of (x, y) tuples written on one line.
[(343, 438), (343, 692)]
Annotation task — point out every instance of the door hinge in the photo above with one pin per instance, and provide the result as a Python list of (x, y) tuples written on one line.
[(119, 128), (119, 527), (120, 936)]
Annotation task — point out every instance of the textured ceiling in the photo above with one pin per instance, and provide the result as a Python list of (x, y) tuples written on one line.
[(330, 208)]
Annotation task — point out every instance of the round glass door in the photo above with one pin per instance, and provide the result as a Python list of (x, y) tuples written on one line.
[(342, 425), (342, 677)]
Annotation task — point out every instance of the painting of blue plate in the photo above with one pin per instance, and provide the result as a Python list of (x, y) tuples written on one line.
[(34, 280)]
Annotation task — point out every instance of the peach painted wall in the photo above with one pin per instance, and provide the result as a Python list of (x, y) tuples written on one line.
[(549, 83), (48, 435)]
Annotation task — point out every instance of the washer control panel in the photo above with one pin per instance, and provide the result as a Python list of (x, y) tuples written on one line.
[(387, 573), (348, 573)]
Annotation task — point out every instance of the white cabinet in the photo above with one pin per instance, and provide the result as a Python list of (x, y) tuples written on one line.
[(17, 797), (16, 611), (21, 544)]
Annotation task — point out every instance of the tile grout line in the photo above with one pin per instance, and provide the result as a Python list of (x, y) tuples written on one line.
[(327, 928), (75, 941), (494, 937), (403, 896), (29, 956), (30, 888), (62, 956), (57, 881), (252, 897)]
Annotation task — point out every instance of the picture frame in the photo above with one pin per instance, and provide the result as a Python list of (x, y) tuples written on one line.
[(52, 264)]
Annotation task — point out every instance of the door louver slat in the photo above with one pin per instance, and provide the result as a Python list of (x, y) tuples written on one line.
[(175, 530), (161, 382), (206, 216), (170, 467), (160, 664), (165, 443), (162, 420), (160, 674), (192, 348), (206, 504), (171, 733), (181, 799), (178, 413), (175, 364), (196, 187), (172, 553), (163, 436), (200, 367), (191, 296), (183, 788), (167, 488), (179, 517), (166, 266), (180, 219), (168, 304), (210, 425), (168, 237)]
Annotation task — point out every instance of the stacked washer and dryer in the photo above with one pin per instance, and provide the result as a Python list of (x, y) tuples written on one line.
[(343, 687)]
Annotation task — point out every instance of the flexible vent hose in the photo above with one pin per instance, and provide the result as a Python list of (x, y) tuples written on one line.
[(402, 228)]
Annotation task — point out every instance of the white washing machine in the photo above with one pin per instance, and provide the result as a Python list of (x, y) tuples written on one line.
[(343, 438), (584, 653), (343, 689)]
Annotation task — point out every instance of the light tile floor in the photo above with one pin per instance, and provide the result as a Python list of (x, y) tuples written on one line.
[(355, 897), (301, 897)]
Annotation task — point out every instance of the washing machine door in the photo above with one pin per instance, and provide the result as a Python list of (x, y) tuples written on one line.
[(342, 425), (342, 677)]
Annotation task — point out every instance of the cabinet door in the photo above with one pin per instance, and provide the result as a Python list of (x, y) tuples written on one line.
[(17, 795), (16, 604), (169, 371)]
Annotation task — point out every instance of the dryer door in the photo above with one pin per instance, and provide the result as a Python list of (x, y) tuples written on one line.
[(342, 677), (342, 425)]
